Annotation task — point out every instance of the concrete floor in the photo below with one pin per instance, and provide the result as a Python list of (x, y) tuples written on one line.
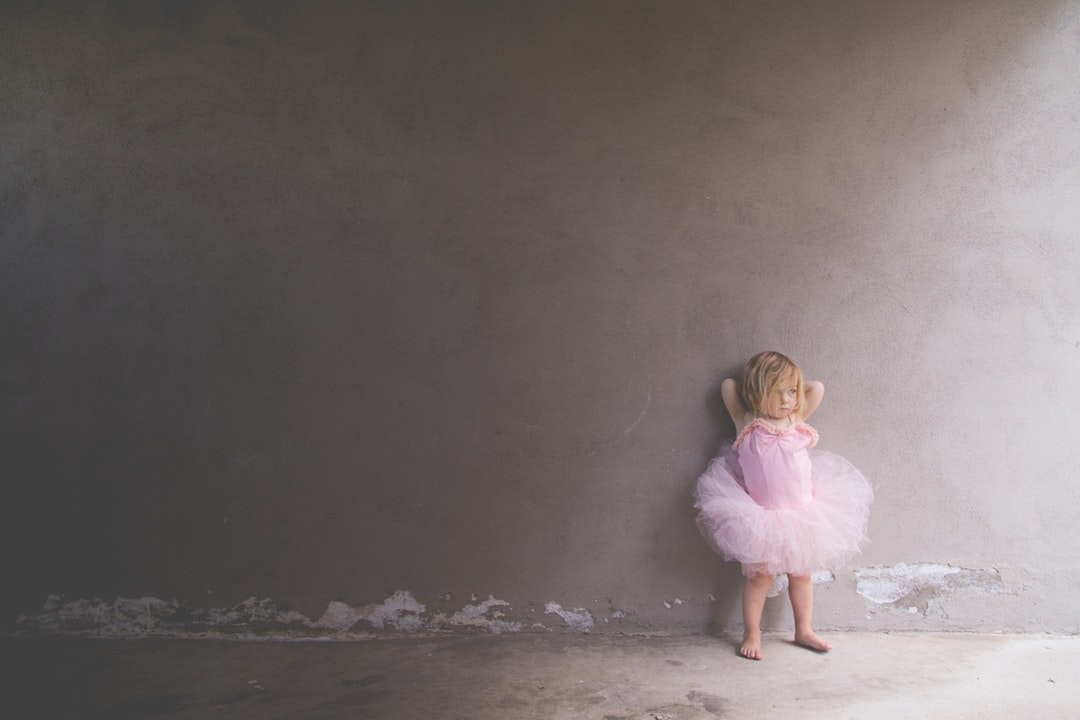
[(607, 677)]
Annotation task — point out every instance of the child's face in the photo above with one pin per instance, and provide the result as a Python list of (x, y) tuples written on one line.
[(784, 398)]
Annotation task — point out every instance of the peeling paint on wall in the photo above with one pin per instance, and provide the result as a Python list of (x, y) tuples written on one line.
[(400, 611), (477, 616), (125, 616), (262, 618), (250, 612), (921, 588), (577, 619)]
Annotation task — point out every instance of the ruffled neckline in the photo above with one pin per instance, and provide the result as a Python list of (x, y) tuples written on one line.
[(768, 427)]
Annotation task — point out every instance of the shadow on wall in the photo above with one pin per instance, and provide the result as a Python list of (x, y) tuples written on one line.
[(727, 592)]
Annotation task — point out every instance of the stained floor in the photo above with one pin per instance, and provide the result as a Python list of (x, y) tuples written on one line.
[(518, 677)]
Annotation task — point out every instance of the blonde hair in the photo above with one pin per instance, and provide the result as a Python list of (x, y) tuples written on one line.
[(762, 376)]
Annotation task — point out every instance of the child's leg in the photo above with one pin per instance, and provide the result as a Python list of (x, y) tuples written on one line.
[(755, 588), (801, 592)]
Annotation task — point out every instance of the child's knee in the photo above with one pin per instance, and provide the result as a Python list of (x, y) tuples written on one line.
[(760, 578)]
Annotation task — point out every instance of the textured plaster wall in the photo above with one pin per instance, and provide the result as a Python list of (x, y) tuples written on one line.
[(344, 316)]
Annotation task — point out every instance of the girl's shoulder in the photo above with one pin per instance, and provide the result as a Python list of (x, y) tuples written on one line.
[(750, 425)]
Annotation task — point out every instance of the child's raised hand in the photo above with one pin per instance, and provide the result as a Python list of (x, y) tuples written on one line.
[(729, 391), (815, 393)]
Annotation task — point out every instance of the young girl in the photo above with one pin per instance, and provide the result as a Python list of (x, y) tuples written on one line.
[(772, 504)]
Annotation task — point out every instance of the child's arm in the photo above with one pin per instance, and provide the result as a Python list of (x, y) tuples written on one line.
[(815, 393), (729, 390)]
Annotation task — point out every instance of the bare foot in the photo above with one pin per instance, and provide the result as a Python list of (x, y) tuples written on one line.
[(810, 640), (751, 647)]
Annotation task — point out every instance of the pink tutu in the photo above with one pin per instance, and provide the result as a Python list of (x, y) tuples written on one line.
[(777, 506)]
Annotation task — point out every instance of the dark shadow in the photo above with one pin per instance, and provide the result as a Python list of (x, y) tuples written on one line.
[(724, 619), (714, 403), (807, 648)]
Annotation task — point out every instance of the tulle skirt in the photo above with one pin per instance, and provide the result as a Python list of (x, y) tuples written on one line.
[(824, 534)]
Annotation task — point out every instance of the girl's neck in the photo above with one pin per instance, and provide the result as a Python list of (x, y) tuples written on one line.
[(779, 423)]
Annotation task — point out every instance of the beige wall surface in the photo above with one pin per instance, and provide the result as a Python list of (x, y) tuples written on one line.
[(323, 318)]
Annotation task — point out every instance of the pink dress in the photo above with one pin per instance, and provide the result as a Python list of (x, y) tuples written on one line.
[(776, 505)]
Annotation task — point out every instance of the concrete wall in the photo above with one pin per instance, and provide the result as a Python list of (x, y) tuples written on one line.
[(413, 314)]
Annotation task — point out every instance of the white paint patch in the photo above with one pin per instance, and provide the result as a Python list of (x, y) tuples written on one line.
[(265, 619), (579, 618), (255, 618), (252, 611), (124, 616), (400, 611), (477, 616), (340, 616), (920, 584)]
